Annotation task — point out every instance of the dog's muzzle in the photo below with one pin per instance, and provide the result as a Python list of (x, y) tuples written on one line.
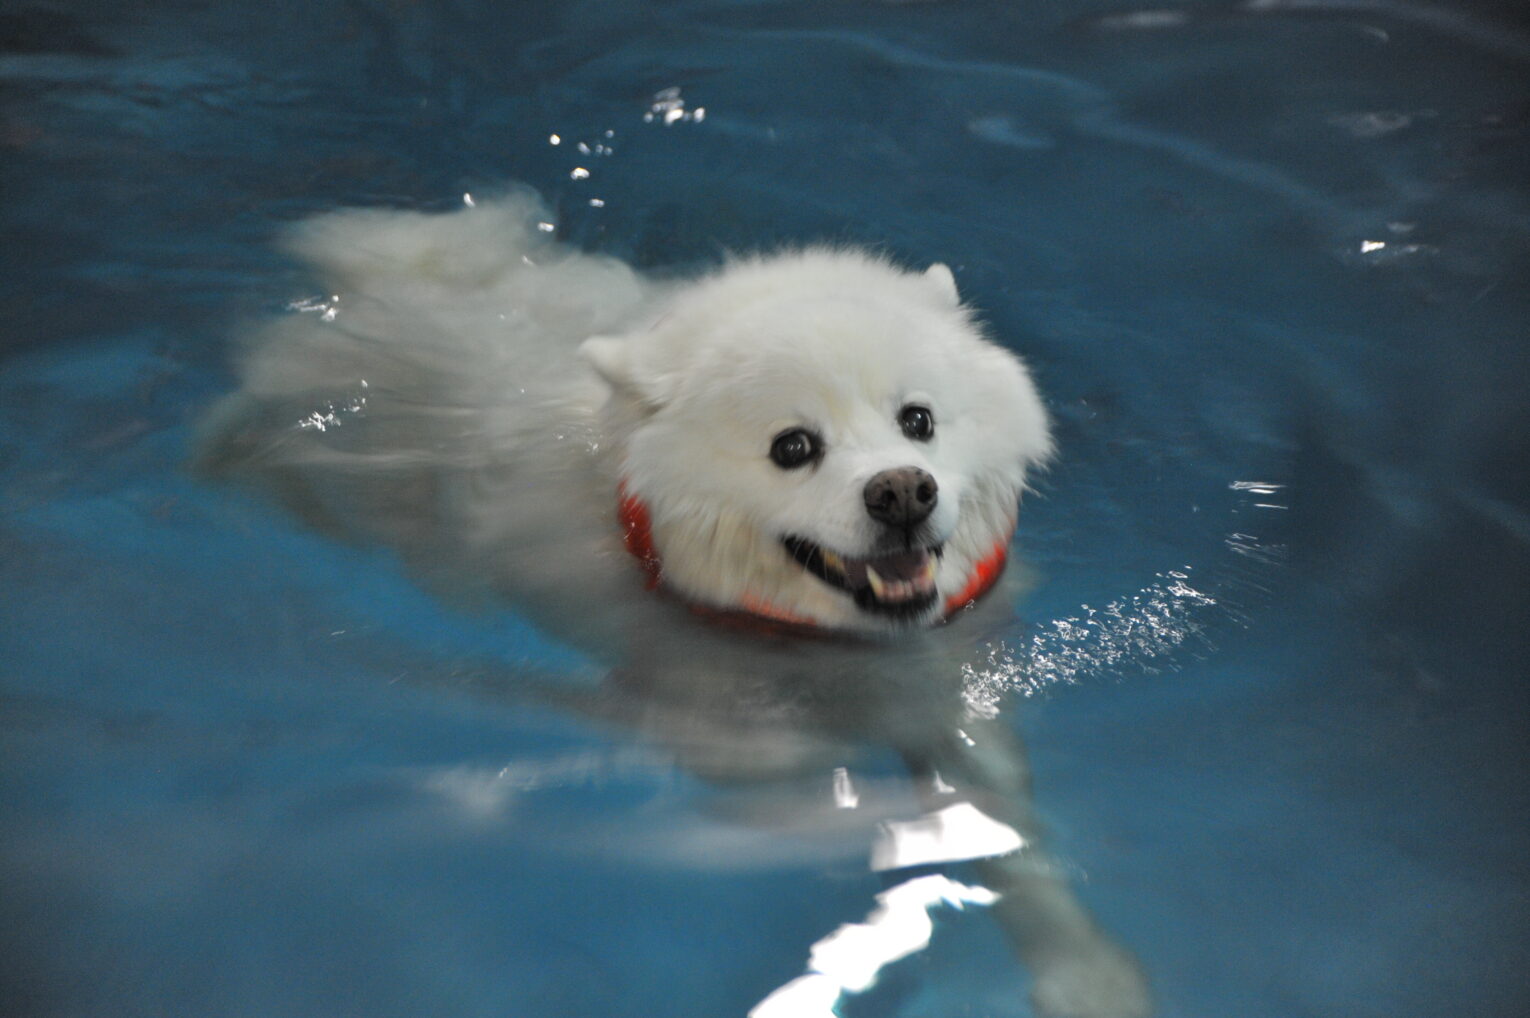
[(899, 584)]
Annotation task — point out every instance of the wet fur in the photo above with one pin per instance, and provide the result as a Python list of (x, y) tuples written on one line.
[(436, 401)]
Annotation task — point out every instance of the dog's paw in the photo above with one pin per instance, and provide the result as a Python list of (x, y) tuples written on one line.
[(1099, 980)]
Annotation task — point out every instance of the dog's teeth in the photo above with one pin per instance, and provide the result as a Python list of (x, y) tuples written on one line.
[(879, 586)]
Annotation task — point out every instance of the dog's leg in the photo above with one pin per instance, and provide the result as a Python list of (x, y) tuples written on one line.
[(1077, 970)]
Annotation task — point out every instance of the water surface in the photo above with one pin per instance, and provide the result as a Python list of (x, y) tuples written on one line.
[(1267, 260)]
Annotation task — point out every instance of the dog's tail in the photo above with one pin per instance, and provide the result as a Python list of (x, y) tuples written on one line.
[(438, 362)]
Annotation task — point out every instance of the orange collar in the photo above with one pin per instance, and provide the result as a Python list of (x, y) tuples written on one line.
[(637, 534)]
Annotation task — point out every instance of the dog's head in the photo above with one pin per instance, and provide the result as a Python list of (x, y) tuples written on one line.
[(823, 437)]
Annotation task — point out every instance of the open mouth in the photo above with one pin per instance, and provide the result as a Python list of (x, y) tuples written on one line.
[(898, 583)]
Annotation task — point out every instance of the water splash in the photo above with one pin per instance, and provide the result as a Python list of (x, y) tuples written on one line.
[(1133, 632), (1140, 632), (329, 415), (668, 107)]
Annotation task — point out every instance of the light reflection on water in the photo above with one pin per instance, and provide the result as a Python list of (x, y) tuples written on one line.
[(848, 960)]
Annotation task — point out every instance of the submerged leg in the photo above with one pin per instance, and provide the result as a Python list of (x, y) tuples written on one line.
[(1078, 971)]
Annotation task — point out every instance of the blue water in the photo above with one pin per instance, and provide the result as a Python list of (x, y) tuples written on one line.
[(250, 771)]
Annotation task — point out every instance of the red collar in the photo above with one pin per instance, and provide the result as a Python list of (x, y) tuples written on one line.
[(637, 534)]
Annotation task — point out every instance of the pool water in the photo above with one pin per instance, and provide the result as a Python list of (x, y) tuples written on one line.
[(1268, 261)]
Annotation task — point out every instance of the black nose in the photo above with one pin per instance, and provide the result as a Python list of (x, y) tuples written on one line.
[(901, 497)]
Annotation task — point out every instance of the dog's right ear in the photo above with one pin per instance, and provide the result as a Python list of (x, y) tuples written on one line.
[(613, 359)]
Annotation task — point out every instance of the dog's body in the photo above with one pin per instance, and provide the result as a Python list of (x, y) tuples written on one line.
[(818, 441)]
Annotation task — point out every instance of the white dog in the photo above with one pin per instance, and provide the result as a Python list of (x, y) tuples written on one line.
[(824, 438), (819, 441)]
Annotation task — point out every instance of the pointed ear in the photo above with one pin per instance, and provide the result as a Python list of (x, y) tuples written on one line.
[(613, 359), (610, 358), (939, 276)]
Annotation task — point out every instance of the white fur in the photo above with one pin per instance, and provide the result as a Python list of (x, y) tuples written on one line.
[(479, 442), (836, 341)]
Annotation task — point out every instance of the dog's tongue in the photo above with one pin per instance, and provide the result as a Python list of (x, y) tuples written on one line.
[(896, 577), (903, 565)]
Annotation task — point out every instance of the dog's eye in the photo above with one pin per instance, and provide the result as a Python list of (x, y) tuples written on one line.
[(917, 422), (792, 449)]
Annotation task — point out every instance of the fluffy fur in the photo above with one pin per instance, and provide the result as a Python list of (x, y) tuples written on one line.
[(436, 403), (472, 395), (836, 343)]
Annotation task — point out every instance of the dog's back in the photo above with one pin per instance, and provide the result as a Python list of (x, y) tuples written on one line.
[(433, 399)]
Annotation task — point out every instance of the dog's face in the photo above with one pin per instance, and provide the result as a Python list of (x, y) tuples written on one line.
[(823, 437)]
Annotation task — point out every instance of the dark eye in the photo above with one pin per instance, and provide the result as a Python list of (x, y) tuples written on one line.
[(792, 449), (917, 422)]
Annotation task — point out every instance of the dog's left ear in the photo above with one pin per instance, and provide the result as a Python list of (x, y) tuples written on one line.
[(939, 276), (613, 360)]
